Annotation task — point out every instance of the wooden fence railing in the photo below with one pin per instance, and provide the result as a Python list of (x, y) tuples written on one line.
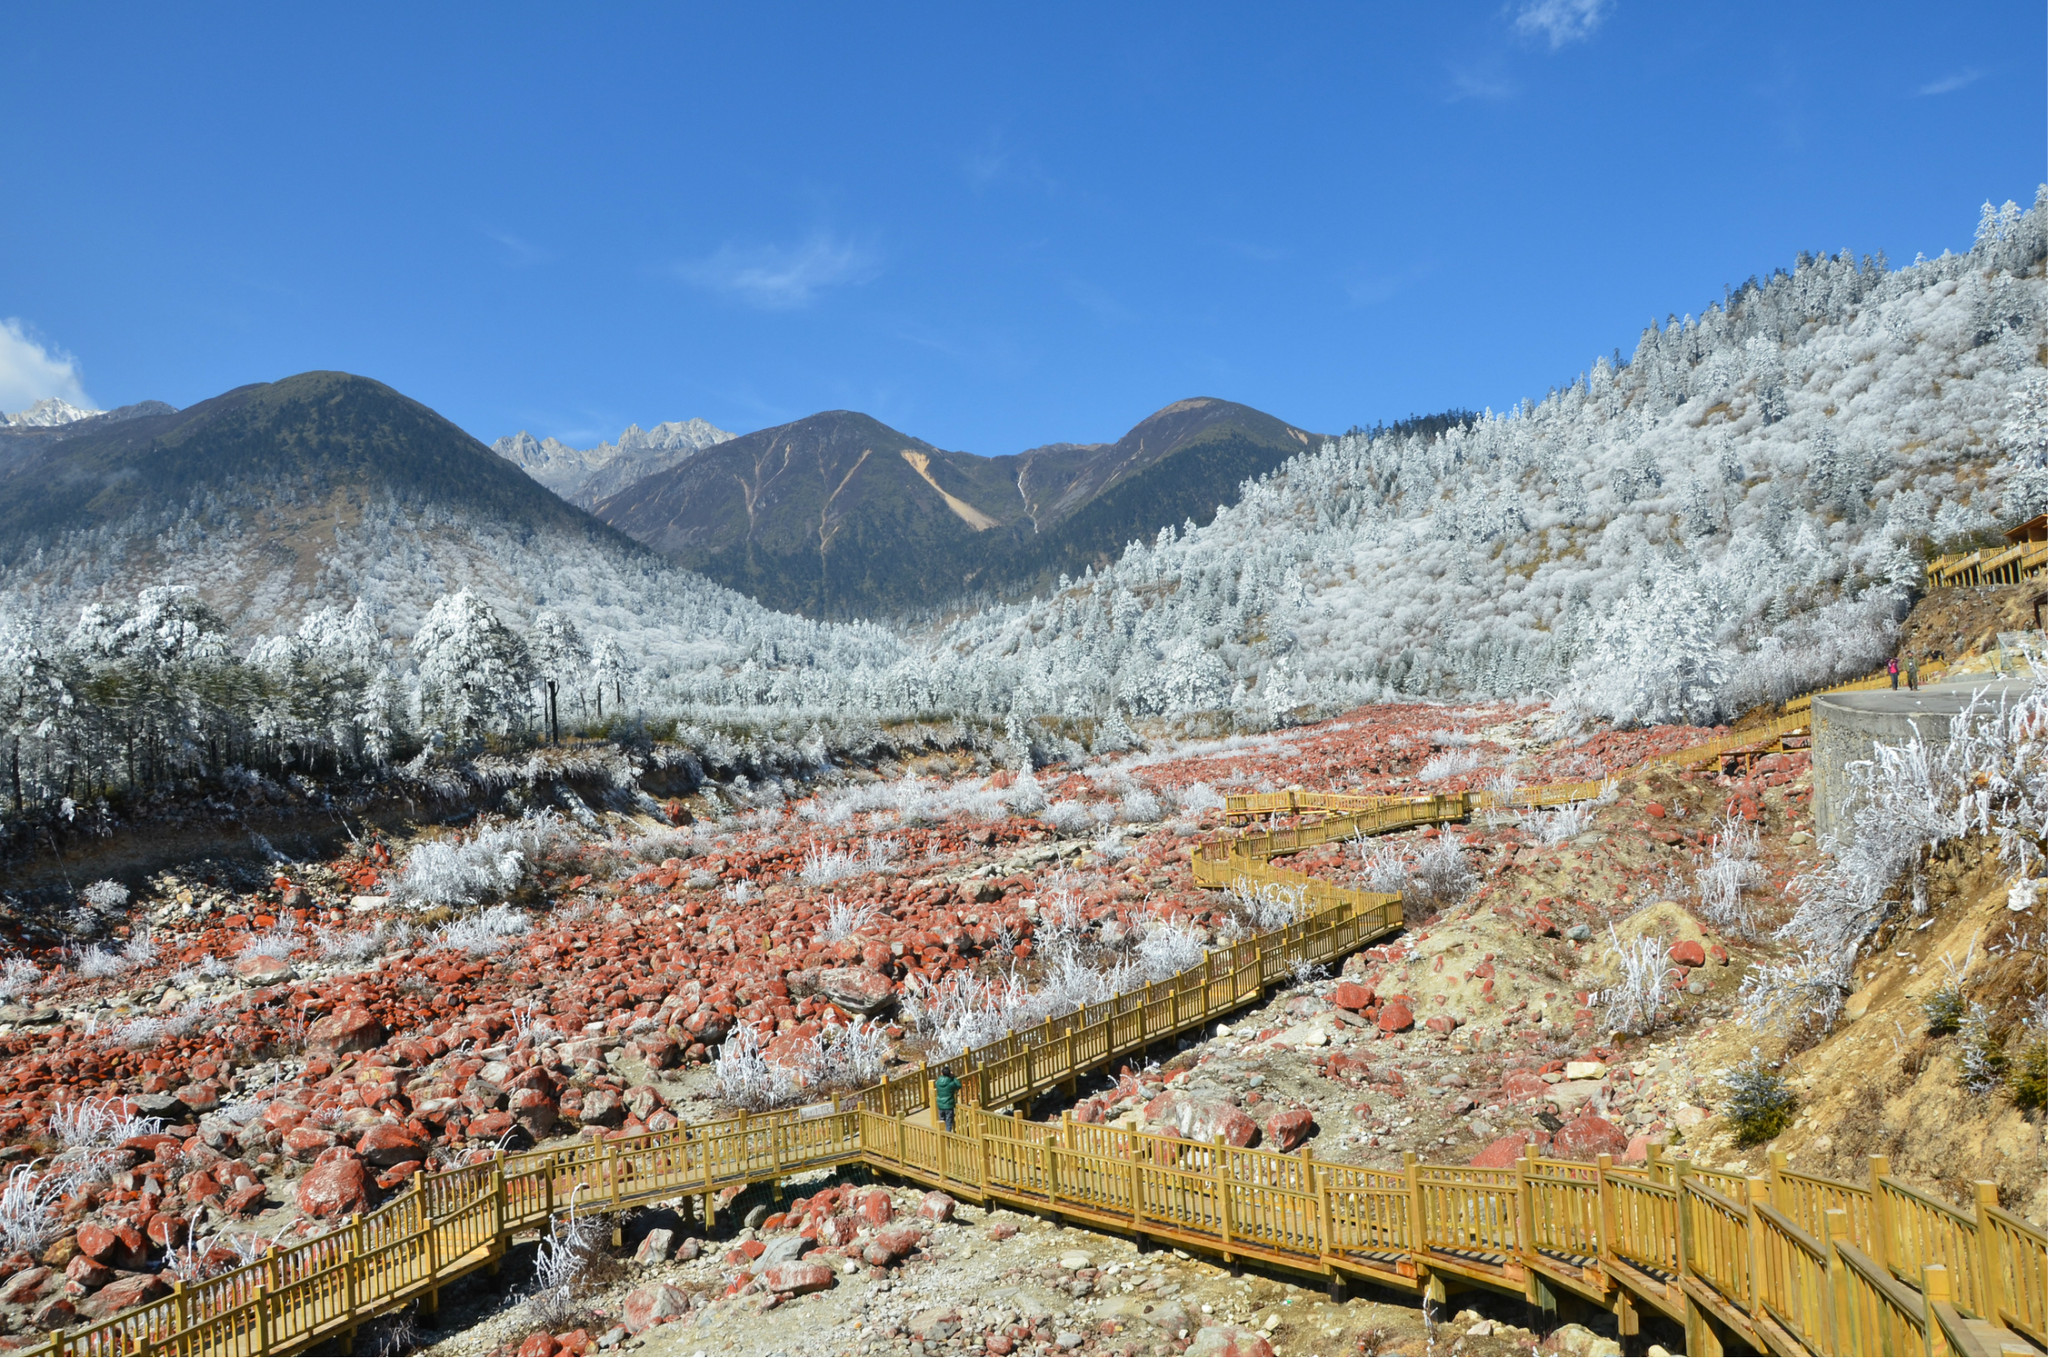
[(1786, 1263)]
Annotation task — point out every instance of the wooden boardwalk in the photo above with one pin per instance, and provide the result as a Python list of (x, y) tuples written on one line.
[(1782, 1263)]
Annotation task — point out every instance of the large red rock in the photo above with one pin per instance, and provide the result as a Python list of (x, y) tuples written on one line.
[(25, 1286), (876, 1207), (936, 1206), (1286, 1131), (891, 1245), (1522, 1084), (652, 1305), (124, 1292), (118, 1246), (349, 1029), (260, 970), (335, 1187), (1588, 1136), (1687, 952), (603, 1108), (1396, 1017), (535, 1110), (1501, 1153), (307, 1143), (796, 1277), (1229, 1341), (388, 1144), (857, 990), (1353, 996)]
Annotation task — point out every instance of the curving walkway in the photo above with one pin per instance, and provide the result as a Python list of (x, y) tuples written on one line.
[(1784, 1263)]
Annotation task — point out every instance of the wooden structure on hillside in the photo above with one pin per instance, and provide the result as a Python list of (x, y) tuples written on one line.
[(1784, 1263)]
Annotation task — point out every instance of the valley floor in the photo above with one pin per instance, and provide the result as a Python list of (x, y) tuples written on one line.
[(308, 1043)]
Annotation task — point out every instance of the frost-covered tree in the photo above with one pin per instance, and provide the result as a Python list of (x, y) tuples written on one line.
[(558, 652), (474, 671), (608, 668)]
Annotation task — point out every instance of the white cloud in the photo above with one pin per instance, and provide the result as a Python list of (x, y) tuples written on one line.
[(29, 372), (1949, 84), (1481, 82), (776, 278), (1560, 21)]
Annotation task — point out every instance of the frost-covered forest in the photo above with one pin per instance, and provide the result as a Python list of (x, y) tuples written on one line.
[(1733, 513)]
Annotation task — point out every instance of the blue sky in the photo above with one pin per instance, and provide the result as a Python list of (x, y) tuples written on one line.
[(989, 231)]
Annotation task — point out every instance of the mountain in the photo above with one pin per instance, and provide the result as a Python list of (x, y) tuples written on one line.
[(46, 412), (324, 489), (583, 476), (838, 515)]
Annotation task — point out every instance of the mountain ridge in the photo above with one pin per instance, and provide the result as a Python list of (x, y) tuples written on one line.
[(583, 476), (839, 515)]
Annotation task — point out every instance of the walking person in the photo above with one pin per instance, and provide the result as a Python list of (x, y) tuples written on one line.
[(945, 1094), (1913, 673), (1892, 667)]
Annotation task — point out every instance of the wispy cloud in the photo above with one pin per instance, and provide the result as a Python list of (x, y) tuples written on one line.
[(518, 251), (781, 278), (31, 371), (1560, 21), (1481, 82), (1949, 84)]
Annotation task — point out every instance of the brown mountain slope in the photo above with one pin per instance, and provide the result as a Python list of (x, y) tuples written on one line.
[(839, 515)]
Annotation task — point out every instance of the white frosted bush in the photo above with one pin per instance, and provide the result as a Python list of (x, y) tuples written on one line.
[(1730, 871), (99, 964), (1563, 824), (1448, 764), (488, 931), (490, 864), (1025, 797), (822, 867), (29, 1216), (1637, 996), (1196, 798), (1441, 875), (17, 978), (844, 921), (1169, 948), (1266, 905), (105, 895), (99, 1124), (280, 941)]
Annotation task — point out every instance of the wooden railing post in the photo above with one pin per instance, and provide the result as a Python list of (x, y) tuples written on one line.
[(1759, 1193), (1602, 1166), (498, 1209), (1319, 1184), (1882, 1247), (1222, 1191), (1990, 1276), (1525, 1215), (263, 1339), (1841, 1322), (1418, 1232), (1934, 1291)]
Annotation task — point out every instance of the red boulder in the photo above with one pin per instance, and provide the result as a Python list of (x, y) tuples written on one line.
[(1353, 996), (1588, 1136), (389, 1143), (1687, 952), (652, 1305), (335, 1187), (1396, 1017), (796, 1277), (350, 1029), (1286, 1131)]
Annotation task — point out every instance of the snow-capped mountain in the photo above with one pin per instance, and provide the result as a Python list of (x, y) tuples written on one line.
[(47, 413), (583, 476)]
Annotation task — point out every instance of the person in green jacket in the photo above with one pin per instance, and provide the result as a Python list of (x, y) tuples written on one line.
[(946, 1091)]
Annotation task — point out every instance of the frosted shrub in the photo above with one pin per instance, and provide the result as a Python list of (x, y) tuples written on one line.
[(745, 1077), (1112, 849), (1169, 948), (1026, 797), (98, 964), (1441, 875), (853, 1056), (1196, 798), (465, 872), (148, 1031), (1068, 818), (563, 1267), (483, 933), (29, 1216), (1731, 870), (965, 1011), (357, 945), (1636, 997), (105, 895), (1448, 764), (1384, 866), (823, 867), (280, 941), (1266, 905), (1138, 805), (140, 952), (1804, 992), (844, 921), (99, 1124), (1562, 825), (879, 852), (18, 977)]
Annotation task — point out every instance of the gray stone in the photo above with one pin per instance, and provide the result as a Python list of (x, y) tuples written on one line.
[(785, 1248), (656, 1247), (1067, 1339), (755, 1216)]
